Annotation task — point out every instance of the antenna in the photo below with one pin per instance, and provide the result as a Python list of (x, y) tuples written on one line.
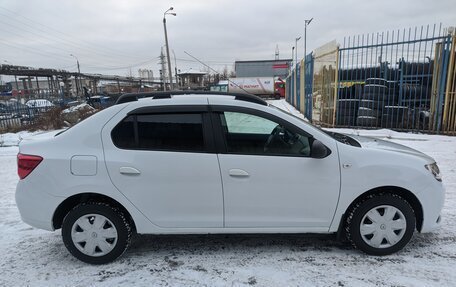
[(231, 82)]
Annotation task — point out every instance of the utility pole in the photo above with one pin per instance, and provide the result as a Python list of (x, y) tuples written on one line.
[(78, 77), (167, 46), (175, 70), (163, 69)]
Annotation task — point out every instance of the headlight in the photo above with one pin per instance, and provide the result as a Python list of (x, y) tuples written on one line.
[(434, 169)]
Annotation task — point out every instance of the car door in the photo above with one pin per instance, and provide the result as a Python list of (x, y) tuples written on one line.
[(269, 178), (164, 163)]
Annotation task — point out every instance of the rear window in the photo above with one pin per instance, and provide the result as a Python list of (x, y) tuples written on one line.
[(168, 132)]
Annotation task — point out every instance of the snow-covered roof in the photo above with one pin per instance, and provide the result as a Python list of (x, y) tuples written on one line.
[(191, 72)]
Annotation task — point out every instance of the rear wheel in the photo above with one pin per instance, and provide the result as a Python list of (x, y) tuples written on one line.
[(96, 233), (381, 224)]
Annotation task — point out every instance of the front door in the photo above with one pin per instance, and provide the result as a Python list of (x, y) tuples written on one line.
[(269, 178)]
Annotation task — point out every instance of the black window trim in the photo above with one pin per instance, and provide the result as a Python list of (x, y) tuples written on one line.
[(220, 140), (203, 110), (169, 109)]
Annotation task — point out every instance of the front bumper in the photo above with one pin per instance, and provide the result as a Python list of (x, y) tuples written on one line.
[(432, 199)]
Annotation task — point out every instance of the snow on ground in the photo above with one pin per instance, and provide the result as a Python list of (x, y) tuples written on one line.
[(33, 257)]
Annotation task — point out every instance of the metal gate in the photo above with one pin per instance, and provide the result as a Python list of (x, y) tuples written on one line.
[(308, 80), (395, 80)]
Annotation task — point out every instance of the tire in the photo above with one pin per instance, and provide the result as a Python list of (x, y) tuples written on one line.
[(381, 224), (346, 104), (376, 81), (393, 121), (367, 121), (371, 104), (346, 121), (373, 97), (115, 227), (389, 122), (347, 113), (396, 111), (386, 99), (376, 89), (366, 112), (390, 99)]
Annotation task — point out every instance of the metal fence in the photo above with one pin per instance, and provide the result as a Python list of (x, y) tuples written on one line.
[(24, 110), (402, 79)]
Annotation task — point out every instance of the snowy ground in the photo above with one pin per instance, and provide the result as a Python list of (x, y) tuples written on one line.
[(38, 258)]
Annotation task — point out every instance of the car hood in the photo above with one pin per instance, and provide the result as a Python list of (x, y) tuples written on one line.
[(375, 143)]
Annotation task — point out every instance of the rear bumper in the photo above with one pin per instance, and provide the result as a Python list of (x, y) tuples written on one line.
[(35, 206)]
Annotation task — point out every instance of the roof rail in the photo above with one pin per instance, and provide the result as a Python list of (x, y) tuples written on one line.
[(125, 98)]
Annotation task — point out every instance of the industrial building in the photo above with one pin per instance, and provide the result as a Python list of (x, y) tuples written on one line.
[(263, 68)]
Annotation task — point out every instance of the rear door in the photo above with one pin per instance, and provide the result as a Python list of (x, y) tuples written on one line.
[(163, 161)]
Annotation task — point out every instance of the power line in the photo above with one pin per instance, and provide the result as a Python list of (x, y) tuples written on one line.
[(39, 39), (45, 54), (78, 44)]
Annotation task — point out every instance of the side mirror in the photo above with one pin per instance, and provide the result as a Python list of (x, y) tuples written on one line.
[(319, 150)]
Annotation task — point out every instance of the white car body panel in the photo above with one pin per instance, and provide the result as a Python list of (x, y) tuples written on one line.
[(300, 195), (52, 181), (197, 201), (378, 164)]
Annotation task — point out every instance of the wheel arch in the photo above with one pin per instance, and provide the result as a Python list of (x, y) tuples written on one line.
[(402, 192), (69, 203)]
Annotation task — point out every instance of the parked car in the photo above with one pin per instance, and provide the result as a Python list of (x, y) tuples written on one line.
[(100, 101), (19, 110), (4, 112), (177, 163), (40, 105)]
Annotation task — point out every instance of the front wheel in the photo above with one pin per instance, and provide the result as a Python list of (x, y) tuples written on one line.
[(96, 233), (381, 224)]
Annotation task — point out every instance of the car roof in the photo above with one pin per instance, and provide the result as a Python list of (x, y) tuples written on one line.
[(190, 97)]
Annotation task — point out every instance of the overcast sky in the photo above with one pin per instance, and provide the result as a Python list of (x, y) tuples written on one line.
[(112, 36)]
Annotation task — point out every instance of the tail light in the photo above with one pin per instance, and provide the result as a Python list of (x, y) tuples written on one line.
[(26, 164)]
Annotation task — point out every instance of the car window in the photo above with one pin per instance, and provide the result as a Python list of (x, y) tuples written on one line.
[(250, 134), (246, 123), (170, 132)]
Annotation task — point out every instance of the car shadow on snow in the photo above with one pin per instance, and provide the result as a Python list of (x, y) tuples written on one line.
[(236, 243), (232, 244)]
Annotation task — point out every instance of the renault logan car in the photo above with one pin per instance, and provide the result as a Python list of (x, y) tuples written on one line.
[(179, 163)]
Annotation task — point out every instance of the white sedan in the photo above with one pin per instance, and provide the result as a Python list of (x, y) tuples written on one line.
[(180, 163)]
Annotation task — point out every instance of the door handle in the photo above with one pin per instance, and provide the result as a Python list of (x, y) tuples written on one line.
[(235, 172), (127, 170)]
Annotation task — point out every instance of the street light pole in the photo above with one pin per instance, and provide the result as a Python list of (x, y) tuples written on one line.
[(292, 58), (306, 22), (296, 50), (167, 48), (79, 75)]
